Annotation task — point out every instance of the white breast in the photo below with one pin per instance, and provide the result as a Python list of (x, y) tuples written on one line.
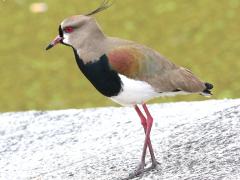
[(134, 92)]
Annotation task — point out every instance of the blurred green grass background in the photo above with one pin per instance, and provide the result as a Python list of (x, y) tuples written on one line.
[(201, 35)]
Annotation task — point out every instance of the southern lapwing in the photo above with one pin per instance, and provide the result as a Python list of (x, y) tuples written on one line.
[(127, 72)]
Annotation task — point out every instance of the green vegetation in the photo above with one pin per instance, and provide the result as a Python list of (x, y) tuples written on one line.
[(201, 35)]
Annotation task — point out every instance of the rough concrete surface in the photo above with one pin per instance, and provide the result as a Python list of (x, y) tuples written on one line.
[(192, 140)]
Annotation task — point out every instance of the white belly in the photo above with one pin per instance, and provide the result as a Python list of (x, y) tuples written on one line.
[(134, 92)]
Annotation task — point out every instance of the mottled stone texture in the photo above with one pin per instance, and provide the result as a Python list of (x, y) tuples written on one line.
[(192, 140)]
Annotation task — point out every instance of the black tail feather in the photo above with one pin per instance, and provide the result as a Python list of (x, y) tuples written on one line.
[(208, 88)]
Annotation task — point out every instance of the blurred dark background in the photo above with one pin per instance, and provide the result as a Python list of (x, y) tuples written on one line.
[(201, 35)]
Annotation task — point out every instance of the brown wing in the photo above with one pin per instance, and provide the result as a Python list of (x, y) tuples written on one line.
[(142, 63)]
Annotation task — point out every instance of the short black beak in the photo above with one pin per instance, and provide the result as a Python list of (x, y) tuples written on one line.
[(57, 40)]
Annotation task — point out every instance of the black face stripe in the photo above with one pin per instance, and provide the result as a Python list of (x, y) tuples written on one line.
[(102, 77), (60, 31)]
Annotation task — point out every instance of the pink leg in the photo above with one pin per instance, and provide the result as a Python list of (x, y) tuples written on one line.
[(144, 124), (147, 124), (148, 130)]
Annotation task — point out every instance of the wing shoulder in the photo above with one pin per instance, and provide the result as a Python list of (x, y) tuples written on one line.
[(126, 60)]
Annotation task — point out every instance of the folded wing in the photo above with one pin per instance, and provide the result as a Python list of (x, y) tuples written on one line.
[(142, 63)]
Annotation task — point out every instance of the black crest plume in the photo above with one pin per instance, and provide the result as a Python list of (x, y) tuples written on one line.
[(105, 4)]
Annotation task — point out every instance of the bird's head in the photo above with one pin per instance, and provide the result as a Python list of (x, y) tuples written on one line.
[(76, 30)]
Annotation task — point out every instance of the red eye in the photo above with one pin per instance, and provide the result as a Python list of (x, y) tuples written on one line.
[(68, 29)]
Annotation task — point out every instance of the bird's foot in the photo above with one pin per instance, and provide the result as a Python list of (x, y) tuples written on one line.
[(140, 170), (153, 166)]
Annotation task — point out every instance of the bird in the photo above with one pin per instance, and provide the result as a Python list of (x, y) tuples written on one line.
[(125, 71)]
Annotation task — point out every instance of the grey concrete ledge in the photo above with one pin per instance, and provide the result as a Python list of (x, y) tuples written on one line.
[(192, 140)]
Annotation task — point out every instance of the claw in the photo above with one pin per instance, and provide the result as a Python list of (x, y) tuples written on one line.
[(140, 170), (153, 166)]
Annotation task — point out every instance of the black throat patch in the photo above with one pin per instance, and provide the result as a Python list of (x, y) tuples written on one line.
[(100, 74)]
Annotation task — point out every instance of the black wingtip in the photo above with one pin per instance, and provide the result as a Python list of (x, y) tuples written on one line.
[(207, 91), (208, 86)]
